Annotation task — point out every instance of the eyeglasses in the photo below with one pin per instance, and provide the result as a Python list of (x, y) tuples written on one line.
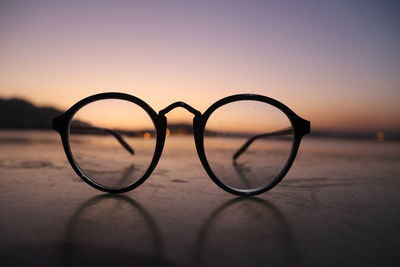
[(246, 143)]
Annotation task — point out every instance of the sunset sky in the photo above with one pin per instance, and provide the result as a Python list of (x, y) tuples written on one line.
[(336, 63)]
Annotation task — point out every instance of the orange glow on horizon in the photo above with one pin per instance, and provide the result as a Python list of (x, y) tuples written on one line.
[(341, 78)]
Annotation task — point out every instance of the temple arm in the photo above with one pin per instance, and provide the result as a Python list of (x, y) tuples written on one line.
[(255, 137), (113, 133)]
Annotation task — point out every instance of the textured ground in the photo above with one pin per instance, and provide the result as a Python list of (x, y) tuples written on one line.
[(339, 206)]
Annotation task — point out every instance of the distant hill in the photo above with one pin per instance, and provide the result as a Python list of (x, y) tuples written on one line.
[(20, 114)]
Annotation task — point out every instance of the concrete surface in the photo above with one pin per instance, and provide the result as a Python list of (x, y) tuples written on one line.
[(339, 206)]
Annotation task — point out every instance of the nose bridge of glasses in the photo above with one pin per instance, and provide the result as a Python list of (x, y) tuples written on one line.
[(182, 105)]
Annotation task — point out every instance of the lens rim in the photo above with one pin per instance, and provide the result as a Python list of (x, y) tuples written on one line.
[(62, 124), (300, 128)]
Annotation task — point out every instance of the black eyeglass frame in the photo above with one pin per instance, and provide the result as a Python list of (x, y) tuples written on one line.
[(62, 123)]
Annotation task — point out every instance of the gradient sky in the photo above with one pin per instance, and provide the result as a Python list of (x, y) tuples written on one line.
[(336, 63)]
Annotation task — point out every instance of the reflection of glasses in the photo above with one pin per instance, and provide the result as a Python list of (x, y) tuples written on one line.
[(246, 143)]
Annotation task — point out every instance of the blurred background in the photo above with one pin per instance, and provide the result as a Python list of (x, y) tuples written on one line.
[(336, 63)]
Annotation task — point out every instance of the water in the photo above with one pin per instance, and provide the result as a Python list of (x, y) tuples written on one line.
[(37, 149)]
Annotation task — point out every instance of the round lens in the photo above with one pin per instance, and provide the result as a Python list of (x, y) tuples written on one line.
[(113, 142), (247, 144)]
